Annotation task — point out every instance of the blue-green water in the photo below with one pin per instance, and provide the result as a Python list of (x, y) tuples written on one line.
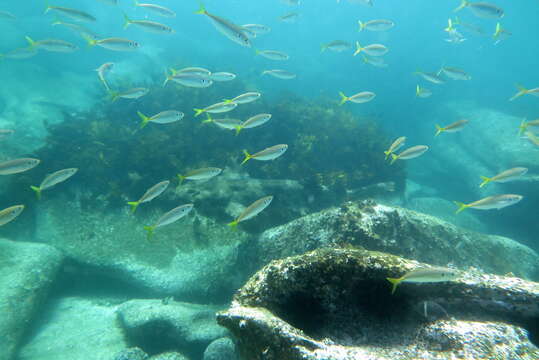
[(62, 114)]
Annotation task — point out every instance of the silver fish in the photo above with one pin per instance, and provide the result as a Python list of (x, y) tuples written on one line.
[(424, 275), (53, 45), (374, 61), (164, 117), (376, 25), (410, 153), (10, 214), (505, 176), (359, 98), (257, 29), (149, 26), (246, 98), (396, 145), (20, 53), (150, 194), (491, 202), (371, 50), (270, 153), (71, 13), (273, 55), (114, 44), (252, 210), (222, 76), (189, 79), (336, 45), (133, 93), (280, 74), (431, 77), (227, 124), (218, 108), (233, 32), (169, 217), (54, 179), (77, 29), (422, 92), (254, 121), (158, 9), (200, 174), (289, 18), (102, 71), (482, 9), (17, 166), (454, 73)]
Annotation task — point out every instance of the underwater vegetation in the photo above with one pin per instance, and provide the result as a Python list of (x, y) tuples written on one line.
[(329, 148)]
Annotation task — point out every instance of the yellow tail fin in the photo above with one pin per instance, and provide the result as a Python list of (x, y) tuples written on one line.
[(247, 157), (462, 206), (344, 98), (181, 178), (521, 91), (144, 119), (209, 119), (393, 158), (449, 26), (387, 152), (462, 5), (201, 9), (238, 129), (127, 21), (439, 130), (486, 180), (358, 48), (395, 282), (134, 205), (150, 230), (31, 42), (233, 225), (522, 127), (361, 25), (37, 190), (198, 111)]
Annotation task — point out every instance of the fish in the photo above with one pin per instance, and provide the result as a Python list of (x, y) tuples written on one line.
[(149, 26), (193, 70), (18, 165), (252, 210), (71, 13), (532, 137), (189, 79), (157, 9), (525, 124), (371, 50), (169, 217), (455, 37), (431, 77), (453, 127), (280, 74), (482, 9), (422, 92), (222, 76), (246, 98), (77, 29), (6, 15), (410, 153), (523, 91), (133, 93), (472, 28), (149, 195), (500, 34), (4, 133), (336, 45), (164, 117), (10, 213), (224, 106), (396, 145), (289, 18), (376, 25), (102, 71), (256, 29), (53, 45), (490, 202), (424, 275), (253, 121), (454, 73), (431, 310), (231, 31), (20, 53), (54, 179), (227, 124), (505, 176), (200, 174), (270, 153), (374, 61), (114, 44), (359, 98), (272, 54)]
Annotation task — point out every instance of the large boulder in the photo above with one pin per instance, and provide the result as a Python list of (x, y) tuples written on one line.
[(337, 304), (27, 273), (75, 328), (398, 231), (157, 326)]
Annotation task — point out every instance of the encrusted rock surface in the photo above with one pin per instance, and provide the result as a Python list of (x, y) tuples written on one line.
[(27, 272), (398, 231), (336, 304)]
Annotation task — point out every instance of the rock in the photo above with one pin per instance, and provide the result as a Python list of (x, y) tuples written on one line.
[(221, 349), (169, 356), (72, 328), (157, 326), (192, 259), (337, 304), (131, 354), (27, 272), (398, 231)]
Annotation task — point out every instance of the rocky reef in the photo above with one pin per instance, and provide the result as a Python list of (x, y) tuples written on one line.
[(337, 304)]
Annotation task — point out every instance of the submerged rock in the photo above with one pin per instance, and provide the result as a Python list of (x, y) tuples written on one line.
[(27, 272), (398, 231), (337, 304), (157, 326), (221, 349), (131, 354), (72, 328)]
